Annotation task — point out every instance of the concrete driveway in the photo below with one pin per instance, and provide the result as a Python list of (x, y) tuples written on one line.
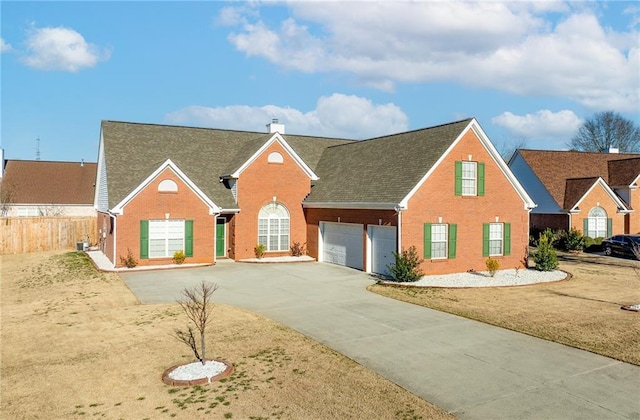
[(473, 370)]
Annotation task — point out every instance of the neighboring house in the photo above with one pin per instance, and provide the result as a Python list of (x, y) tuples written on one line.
[(43, 188), (592, 192), (219, 193)]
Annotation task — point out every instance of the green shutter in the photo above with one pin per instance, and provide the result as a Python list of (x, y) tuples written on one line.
[(144, 239), (485, 239), (480, 178), (609, 227), (507, 239), (453, 234), (458, 178), (585, 225), (188, 238), (427, 240)]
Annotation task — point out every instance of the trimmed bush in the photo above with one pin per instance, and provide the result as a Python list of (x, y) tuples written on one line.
[(545, 257), (259, 250), (407, 266), (493, 265), (572, 240), (179, 257)]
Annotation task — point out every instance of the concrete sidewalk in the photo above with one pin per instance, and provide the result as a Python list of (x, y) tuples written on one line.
[(473, 370)]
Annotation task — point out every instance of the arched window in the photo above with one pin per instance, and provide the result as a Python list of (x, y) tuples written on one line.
[(273, 227), (597, 223), (275, 157), (168, 185)]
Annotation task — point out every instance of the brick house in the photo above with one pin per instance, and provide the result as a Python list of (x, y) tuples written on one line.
[(33, 188), (219, 193), (591, 192)]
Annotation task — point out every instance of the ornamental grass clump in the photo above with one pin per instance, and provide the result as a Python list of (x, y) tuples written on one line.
[(407, 266)]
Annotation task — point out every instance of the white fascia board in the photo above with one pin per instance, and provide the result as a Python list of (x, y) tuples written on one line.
[(484, 140), (622, 207), (213, 208), (354, 205), (96, 189), (276, 138), (229, 211)]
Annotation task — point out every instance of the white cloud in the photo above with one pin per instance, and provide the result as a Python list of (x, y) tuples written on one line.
[(541, 125), (4, 46), (515, 47), (337, 115), (60, 48)]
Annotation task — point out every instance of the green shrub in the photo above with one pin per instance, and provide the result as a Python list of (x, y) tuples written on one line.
[(298, 250), (545, 257), (493, 265), (572, 240), (259, 250), (407, 266), (179, 257), (129, 261)]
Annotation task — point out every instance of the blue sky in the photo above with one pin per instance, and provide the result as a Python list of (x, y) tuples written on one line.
[(530, 72)]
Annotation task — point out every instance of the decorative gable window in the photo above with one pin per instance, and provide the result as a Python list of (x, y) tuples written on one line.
[(168, 185), (273, 227), (597, 225), (275, 157), (162, 238), (440, 240), (496, 239), (469, 178)]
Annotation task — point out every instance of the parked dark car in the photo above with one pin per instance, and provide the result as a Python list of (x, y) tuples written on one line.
[(621, 245)]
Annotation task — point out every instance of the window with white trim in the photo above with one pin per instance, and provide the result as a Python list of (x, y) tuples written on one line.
[(495, 239), (597, 223), (165, 238), (438, 241), (273, 227), (168, 185), (469, 181)]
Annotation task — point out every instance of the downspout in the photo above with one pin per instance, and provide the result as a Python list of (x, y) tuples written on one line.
[(115, 238), (399, 244)]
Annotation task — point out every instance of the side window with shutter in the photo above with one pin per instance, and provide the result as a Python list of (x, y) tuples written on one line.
[(144, 239)]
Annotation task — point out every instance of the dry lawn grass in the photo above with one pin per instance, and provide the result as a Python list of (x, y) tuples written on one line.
[(76, 344), (582, 312)]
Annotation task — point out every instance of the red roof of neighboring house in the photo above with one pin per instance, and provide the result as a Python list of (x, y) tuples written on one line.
[(555, 167), (44, 182)]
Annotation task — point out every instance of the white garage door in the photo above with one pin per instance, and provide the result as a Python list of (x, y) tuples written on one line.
[(383, 245), (342, 244)]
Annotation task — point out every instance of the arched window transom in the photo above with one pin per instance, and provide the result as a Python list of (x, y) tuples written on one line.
[(273, 227), (275, 157), (597, 223), (168, 185)]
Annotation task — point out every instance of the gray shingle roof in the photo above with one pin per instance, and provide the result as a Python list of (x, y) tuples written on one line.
[(381, 170), (133, 151)]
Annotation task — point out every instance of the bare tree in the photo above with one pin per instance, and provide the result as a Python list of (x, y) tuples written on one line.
[(197, 304), (508, 148), (605, 130), (7, 197)]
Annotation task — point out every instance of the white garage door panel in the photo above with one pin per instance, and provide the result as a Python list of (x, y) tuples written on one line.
[(383, 245), (342, 244)]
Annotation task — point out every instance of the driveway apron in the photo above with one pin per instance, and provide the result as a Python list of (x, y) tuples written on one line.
[(471, 369)]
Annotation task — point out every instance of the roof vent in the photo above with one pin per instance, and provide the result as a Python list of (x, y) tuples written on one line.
[(614, 150), (275, 127)]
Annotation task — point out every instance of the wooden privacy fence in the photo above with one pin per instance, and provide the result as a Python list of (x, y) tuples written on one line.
[(32, 234)]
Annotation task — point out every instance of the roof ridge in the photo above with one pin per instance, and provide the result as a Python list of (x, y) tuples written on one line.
[(405, 132)]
